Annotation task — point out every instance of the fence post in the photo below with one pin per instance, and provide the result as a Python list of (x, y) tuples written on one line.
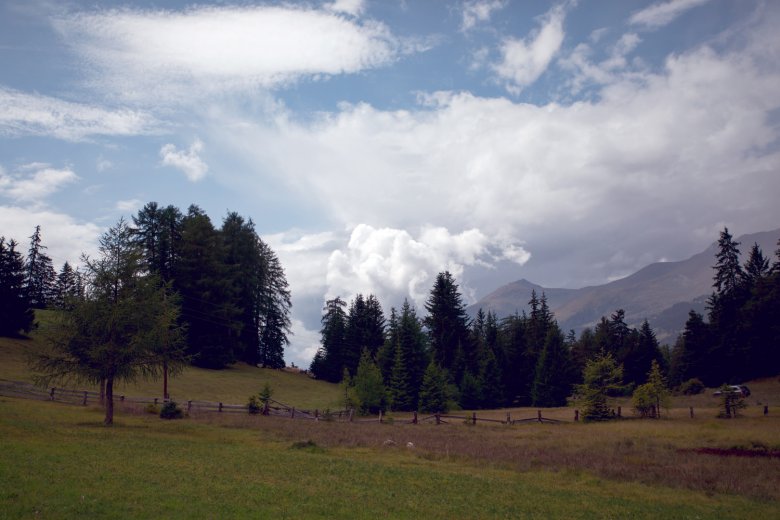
[(122, 398), (220, 406), (620, 412), (189, 406), (85, 398), (473, 417), (51, 394), (576, 415), (539, 415), (380, 416), (414, 418), (508, 418), (438, 418), (351, 414), (292, 413), (691, 410), (316, 414)]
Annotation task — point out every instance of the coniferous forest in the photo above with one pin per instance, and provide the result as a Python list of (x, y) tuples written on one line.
[(229, 288), (233, 302)]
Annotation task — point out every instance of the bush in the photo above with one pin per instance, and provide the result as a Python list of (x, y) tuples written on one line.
[(692, 386), (171, 410), (731, 402), (254, 405), (643, 401)]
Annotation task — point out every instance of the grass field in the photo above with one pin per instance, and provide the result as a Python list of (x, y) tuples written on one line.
[(58, 461)]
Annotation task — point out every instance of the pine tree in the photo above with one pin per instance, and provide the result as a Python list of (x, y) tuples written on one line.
[(447, 322), (15, 308), (434, 396), (369, 388), (275, 303), (207, 292), (600, 377), (66, 288), (728, 271), (511, 339), (386, 354), (330, 365), (40, 275), (410, 360), (553, 380), (756, 267)]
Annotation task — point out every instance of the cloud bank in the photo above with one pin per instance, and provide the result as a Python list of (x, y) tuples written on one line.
[(155, 55)]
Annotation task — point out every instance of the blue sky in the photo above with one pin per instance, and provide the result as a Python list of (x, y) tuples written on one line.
[(376, 143)]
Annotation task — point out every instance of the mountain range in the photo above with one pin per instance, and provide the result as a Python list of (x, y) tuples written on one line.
[(662, 292)]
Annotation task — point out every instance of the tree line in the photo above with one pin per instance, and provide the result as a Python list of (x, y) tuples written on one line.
[(740, 337), (445, 359), (231, 297)]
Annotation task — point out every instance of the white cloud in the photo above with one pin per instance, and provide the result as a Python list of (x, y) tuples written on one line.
[(660, 14), (34, 182), (524, 60), (65, 238), (157, 56), (614, 67), (477, 11), (130, 205), (351, 7), (392, 264), (188, 161), (23, 114), (690, 144)]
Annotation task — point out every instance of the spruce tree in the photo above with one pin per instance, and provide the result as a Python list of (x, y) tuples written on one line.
[(434, 395), (553, 380), (330, 365), (447, 322), (15, 307), (410, 360), (273, 311), (40, 277), (369, 387), (601, 377)]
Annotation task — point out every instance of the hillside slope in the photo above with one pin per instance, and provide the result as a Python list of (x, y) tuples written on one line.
[(662, 292), (232, 385)]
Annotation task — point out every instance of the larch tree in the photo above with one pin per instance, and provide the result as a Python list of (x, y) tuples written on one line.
[(118, 331)]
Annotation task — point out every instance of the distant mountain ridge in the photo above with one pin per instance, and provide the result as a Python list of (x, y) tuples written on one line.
[(662, 292)]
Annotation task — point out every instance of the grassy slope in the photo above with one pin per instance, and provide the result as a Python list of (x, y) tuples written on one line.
[(57, 461), (233, 385)]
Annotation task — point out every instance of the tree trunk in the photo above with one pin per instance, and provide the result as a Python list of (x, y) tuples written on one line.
[(165, 379), (102, 391), (109, 420)]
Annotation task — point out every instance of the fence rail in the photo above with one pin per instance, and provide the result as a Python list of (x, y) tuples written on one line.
[(270, 407)]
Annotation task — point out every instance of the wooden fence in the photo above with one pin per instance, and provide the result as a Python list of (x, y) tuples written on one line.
[(271, 407)]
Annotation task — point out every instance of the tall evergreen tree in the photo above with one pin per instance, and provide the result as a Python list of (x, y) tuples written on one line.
[(447, 323), (410, 360), (66, 287), (369, 387), (434, 395), (15, 307), (553, 378), (275, 303), (329, 363), (207, 292), (386, 354), (40, 277)]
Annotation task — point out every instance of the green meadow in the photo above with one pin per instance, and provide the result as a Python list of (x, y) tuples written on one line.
[(59, 461)]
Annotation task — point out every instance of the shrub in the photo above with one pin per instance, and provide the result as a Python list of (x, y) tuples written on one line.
[(692, 386), (643, 401), (730, 402), (171, 410), (254, 405)]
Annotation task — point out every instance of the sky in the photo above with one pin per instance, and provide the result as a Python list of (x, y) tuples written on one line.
[(375, 143)]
